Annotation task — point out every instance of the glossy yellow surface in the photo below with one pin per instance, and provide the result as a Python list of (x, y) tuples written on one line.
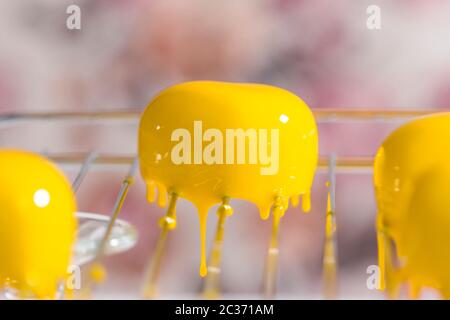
[(223, 106), (412, 178), (37, 224)]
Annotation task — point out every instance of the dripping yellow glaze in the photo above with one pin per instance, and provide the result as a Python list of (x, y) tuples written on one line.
[(37, 224), (412, 175), (98, 273), (221, 106)]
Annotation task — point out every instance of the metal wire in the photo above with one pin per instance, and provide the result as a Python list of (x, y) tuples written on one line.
[(330, 256), (321, 114), (83, 170), (123, 191), (342, 164)]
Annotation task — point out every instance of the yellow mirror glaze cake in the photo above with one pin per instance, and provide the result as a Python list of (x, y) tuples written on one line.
[(37, 224), (205, 141), (412, 177)]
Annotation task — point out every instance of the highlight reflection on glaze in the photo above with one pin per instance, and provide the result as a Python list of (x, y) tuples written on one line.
[(220, 107), (37, 224), (411, 176)]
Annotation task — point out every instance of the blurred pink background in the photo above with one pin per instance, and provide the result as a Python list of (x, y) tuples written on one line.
[(126, 51)]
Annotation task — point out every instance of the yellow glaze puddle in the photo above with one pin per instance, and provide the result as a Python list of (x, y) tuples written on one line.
[(190, 123), (37, 224), (411, 176)]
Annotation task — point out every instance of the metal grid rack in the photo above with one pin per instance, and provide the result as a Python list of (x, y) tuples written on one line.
[(332, 164)]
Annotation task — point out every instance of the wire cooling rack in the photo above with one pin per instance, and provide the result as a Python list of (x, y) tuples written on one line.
[(92, 158), (331, 161)]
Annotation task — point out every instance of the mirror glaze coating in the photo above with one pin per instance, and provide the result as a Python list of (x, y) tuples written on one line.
[(37, 224), (222, 106), (411, 177)]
